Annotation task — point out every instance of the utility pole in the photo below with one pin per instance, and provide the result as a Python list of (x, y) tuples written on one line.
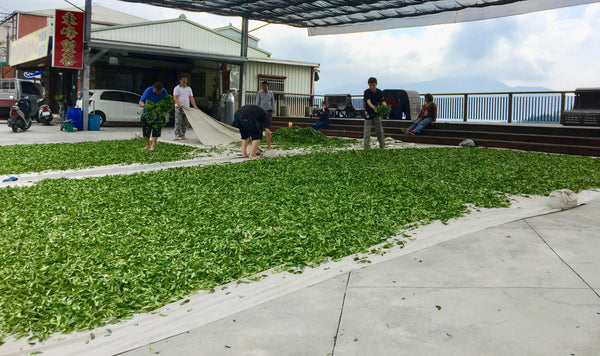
[(244, 65), (85, 85)]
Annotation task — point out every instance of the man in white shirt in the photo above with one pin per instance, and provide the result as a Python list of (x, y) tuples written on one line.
[(266, 100), (183, 96)]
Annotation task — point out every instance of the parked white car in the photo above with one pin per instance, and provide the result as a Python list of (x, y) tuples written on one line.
[(114, 105)]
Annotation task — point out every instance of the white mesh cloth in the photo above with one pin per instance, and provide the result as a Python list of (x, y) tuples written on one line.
[(209, 131)]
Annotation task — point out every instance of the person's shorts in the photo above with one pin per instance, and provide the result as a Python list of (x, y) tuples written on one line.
[(248, 128), (152, 127), (269, 119)]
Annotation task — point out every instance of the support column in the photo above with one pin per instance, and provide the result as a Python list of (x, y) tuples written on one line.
[(85, 86), (244, 65)]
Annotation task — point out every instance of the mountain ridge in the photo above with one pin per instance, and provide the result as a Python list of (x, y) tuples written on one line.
[(439, 86)]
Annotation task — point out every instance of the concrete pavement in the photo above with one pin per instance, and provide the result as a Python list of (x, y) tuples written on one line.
[(523, 280), (39, 133), (528, 287)]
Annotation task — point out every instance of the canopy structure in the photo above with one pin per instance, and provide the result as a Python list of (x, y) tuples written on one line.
[(323, 17)]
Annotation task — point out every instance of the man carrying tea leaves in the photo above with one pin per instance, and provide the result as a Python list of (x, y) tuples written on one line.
[(152, 122), (371, 99)]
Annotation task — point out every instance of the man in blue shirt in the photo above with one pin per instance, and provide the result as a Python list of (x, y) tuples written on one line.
[(151, 126)]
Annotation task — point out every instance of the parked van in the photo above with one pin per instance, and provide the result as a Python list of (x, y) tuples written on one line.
[(11, 90)]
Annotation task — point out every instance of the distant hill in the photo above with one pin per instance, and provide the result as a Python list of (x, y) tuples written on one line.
[(437, 86), (467, 85)]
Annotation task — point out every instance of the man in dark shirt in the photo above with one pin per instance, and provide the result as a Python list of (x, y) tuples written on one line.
[(250, 120), (373, 97)]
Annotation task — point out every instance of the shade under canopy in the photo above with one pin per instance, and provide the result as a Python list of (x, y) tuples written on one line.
[(323, 17)]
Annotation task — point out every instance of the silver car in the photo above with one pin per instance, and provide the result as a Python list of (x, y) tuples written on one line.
[(11, 90), (114, 105)]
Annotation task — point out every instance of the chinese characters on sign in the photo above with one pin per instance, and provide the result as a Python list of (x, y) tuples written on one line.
[(68, 39)]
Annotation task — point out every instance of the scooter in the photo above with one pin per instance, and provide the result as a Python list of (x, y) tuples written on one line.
[(44, 114), (20, 117)]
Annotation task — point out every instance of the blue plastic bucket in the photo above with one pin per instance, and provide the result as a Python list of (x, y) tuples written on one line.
[(75, 116), (94, 123)]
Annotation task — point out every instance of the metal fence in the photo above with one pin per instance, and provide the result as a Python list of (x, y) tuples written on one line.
[(523, 107), (509, 107), (290, 104)]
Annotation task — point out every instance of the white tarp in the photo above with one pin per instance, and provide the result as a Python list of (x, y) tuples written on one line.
[(447, 12), (209, 131)]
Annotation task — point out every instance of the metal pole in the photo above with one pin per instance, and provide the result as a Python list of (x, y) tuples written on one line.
[(466, 98), (244, 65), (510, 105), (85, 86)]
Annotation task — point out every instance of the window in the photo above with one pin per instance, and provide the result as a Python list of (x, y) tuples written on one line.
[(276, 82), (111, 95), (8, 84), (29, 88), (131, 98)]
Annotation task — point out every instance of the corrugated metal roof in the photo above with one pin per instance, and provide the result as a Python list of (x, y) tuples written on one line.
[(100, 15), (237, 31), (163, 51), (177, 33), (283, 61)]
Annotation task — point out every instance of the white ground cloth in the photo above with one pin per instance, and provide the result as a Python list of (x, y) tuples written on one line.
[(209, 131), (205, 307)]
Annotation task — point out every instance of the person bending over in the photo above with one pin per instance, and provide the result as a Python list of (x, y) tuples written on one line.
[(250, 120)]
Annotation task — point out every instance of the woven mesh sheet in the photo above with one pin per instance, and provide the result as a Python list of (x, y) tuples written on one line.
[(337, 16)]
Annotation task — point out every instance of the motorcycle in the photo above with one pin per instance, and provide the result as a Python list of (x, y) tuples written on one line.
[(20, 115), (44, 114)]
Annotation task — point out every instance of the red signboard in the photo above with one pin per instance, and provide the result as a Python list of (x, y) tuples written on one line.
[(68, 39)]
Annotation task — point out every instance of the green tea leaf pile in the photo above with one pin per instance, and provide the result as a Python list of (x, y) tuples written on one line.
[(62, 156), (77, 254), (295, 136), (383, 110), (161, 108)]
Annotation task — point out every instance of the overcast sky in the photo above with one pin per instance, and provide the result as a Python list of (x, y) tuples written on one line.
[(556, 49)]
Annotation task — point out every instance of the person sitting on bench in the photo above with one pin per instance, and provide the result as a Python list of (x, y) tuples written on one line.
[(426, 117), (324, 115)]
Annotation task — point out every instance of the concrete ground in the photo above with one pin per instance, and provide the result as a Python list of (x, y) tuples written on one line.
[(39, 133), (528, 287), (517, 281)]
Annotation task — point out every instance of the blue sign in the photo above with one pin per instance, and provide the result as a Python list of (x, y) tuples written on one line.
[(33, 74)]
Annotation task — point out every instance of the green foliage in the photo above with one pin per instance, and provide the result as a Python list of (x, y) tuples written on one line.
[(383, 110), (77, 254), (61, 156), (161, 108), (295, 137)]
